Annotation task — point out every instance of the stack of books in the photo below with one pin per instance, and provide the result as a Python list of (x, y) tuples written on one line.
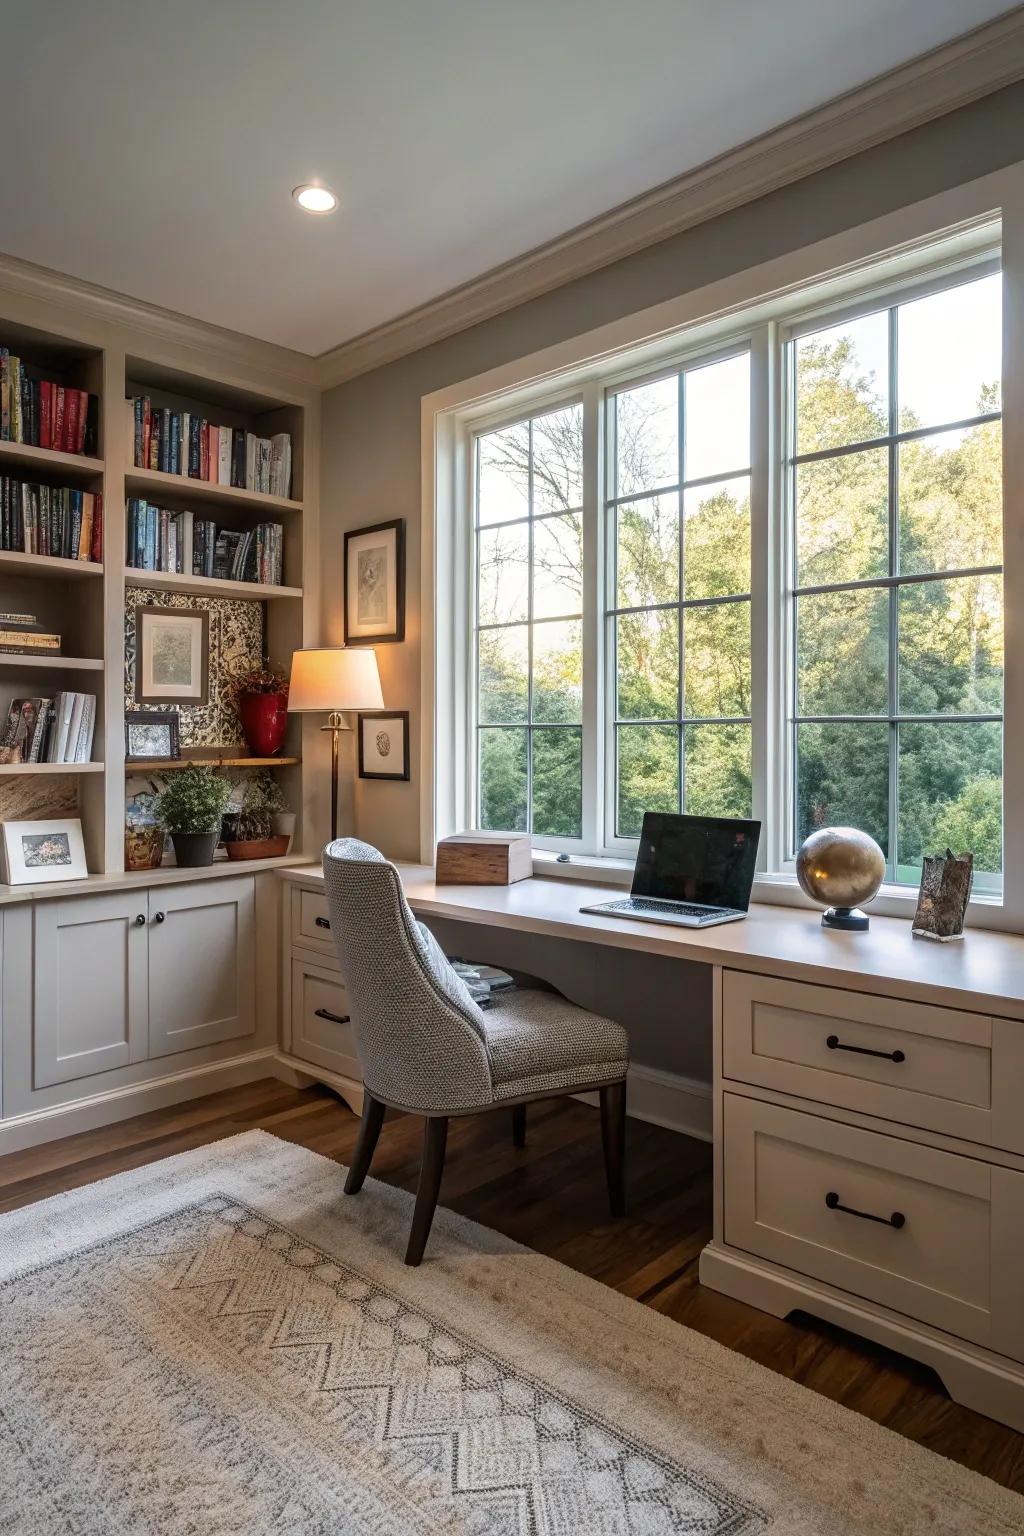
[(55, 730), (21, 634), (43, 414), (162, 540), (182, 443), (50, 520)]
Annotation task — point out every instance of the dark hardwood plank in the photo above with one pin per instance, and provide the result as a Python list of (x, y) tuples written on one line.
[(551, 1195)]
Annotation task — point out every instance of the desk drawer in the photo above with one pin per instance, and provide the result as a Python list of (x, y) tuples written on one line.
[(321, 1028), (923, 1232), (938, 1068), (310, 922)]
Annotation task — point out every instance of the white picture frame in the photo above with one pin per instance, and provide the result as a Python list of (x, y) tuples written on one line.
[(36, 852)]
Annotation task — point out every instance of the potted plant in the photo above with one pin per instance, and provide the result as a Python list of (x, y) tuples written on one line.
[(253, 834), (260, 694), (190, 809)]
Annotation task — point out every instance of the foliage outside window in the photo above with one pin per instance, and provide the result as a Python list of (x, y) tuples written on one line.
[(886, 612), (895, 493)]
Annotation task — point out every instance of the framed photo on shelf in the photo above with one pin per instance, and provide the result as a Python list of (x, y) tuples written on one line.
[(375, 584), (172, 655), (150, 733), (38, 851), (384, 745)]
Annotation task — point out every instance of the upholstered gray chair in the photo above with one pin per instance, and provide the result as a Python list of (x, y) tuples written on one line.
[(426, 1047)]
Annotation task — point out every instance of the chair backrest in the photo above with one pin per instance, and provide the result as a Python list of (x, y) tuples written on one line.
[(419, 1035)]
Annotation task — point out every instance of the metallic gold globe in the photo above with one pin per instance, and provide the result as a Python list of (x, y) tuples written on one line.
[(840, 867)]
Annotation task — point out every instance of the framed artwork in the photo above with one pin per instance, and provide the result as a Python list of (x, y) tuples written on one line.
[(384, 745), (38, 851), (172, 655), (151, 733), (375, 584)]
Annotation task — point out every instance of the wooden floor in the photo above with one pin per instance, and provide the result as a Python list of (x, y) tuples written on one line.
[(551, 1197)]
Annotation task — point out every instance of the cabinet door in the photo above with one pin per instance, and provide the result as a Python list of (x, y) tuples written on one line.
[(202, 958), (321, 1027), (89, 970)]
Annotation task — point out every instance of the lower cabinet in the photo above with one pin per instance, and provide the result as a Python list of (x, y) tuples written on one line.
[(123, 978)]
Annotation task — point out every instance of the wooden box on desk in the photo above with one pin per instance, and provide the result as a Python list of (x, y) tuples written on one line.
[(482, 858)]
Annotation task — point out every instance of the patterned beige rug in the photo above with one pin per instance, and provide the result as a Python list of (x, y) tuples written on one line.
[(223, 1343)]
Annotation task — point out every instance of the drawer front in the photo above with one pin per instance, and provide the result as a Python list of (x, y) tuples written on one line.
[(321, 1028), (931, 1067), (926, 1233), (311, 923)]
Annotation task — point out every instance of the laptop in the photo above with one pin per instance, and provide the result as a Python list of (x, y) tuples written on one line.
[(691, 871)]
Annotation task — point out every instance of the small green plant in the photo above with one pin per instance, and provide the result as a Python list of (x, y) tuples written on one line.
[(193, 800), (261, 801)]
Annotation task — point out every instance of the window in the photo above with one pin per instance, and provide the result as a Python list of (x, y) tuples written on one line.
[(763, 577), (678, 614), (895, 491), (529, 646)]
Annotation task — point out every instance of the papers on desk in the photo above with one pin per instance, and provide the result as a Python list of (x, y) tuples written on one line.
[(484, 981)]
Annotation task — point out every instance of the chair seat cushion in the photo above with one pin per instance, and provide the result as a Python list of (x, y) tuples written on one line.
[(539, 1042)]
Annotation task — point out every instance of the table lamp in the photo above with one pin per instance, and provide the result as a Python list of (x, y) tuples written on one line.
[(330, 680)]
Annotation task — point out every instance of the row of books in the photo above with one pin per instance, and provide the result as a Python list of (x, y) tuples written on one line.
[(50, 520), (57, 730), (21, 634), (181, 443), (43, 414), (162, 540)]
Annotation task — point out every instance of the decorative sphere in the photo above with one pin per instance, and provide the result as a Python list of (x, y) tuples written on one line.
[(840, 867)]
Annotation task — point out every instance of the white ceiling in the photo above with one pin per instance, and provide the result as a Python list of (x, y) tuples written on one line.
[(151, 146)]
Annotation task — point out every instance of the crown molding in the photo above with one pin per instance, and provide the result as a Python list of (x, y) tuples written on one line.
[(230, 349), (927, 87)]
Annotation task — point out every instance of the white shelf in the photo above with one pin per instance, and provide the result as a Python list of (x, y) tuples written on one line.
[(153, 484), (23, 456), (168, 874), (212, 586), (10, 769), (16, 564), (50, 663)]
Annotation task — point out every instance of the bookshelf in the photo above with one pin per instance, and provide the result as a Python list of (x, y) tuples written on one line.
[(231, 382)]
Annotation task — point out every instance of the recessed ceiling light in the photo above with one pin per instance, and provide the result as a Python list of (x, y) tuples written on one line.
[(315, 199)]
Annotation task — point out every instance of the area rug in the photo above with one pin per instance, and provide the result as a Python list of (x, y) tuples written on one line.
[(224, 1343)]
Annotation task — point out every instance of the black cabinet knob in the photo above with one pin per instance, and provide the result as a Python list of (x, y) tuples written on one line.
[(159, 917), (140, 921)]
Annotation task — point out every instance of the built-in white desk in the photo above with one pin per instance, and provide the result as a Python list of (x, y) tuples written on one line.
[(868, 1109)]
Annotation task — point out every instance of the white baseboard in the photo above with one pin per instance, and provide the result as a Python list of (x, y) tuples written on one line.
[(680, 1104), (41, 1125)]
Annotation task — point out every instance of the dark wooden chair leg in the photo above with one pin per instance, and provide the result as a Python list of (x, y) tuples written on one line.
[(373, 1119), (519, 1125), (613, 1136), (435, 1139)]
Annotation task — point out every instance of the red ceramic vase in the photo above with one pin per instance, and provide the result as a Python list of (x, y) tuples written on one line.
[(264, 718)]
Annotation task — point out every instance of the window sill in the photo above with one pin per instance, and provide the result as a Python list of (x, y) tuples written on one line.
[(779, 890)]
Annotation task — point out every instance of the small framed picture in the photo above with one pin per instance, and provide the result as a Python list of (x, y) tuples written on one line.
[(151, 733), (37, 851), (375, 584), (172, 655), (384, 745)]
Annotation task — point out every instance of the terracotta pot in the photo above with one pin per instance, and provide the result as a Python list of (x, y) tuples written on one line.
[(264, 718), (143, 847), (194, 850), (260, 848)]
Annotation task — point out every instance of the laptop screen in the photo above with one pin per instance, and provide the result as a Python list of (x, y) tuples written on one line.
[(704, 859)]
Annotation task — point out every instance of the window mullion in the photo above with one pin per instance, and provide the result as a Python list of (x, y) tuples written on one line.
[(681, 463), (529, 635), (593, 833), (763, 585), (894, 595)]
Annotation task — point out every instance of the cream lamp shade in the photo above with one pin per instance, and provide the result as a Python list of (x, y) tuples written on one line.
[(326, 679)]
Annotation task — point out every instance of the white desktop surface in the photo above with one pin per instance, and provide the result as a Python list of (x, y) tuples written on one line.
[(982, 972)]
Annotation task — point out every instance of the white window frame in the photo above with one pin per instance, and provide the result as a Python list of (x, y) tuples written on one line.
[(933, 241)]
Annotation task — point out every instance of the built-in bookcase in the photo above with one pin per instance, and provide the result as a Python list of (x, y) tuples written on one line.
[(86, 601)]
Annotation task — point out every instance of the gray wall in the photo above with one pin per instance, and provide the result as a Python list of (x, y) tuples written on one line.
[(371, 426)]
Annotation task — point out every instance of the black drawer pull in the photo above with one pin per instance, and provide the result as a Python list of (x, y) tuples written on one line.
[(835, 1044), (322, 922), (897, 1219), (334, 1018)]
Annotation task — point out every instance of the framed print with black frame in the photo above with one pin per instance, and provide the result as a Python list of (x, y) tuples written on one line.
[(375, 584), (172, 655), (384, 744), (151, 733)]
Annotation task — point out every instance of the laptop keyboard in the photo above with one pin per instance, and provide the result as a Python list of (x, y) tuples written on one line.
[(663, 908)]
